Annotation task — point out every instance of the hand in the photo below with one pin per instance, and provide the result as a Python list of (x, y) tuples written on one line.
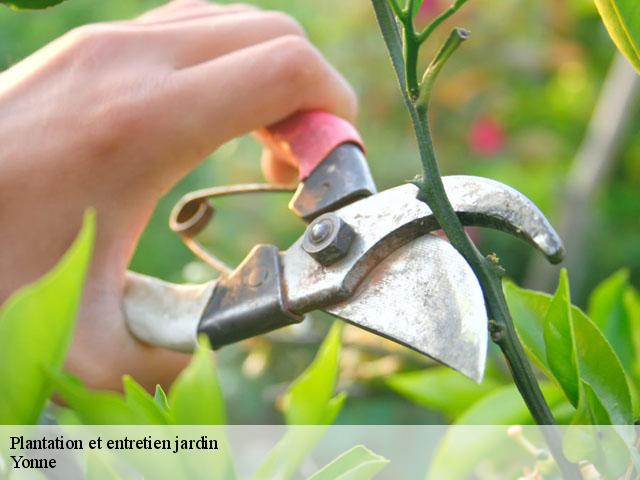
[(112, 116)]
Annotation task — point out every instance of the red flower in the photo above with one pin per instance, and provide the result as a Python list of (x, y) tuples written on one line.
[(486, 137), (429, 9)]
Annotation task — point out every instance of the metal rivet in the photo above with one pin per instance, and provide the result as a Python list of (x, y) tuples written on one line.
[(320, 231), (328, 238)]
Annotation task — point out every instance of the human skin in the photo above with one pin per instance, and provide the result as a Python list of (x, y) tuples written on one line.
[(111, 116)]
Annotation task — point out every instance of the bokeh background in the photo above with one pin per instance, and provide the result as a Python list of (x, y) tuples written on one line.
[(514, 104)]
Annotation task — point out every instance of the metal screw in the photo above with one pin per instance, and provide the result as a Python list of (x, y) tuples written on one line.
[(328, 238)]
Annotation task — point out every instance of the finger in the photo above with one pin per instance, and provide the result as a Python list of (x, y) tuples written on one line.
[(277, 170), (204, 39), (256, 87), (177, 15), (176, 7)]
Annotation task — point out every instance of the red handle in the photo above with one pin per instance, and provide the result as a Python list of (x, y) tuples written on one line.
[(307, 138)]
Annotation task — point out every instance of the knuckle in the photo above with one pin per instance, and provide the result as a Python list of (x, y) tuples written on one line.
[(102, 47), (96, 40), (122, 103), (82, 35), (295, 48), (285, 23), (299, 60)]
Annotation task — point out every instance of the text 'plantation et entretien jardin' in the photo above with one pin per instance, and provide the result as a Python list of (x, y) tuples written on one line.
[(30, 446)]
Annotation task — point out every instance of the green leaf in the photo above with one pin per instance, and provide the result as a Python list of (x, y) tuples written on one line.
[(588, 439), (441, 389), (596, 361), (36, 326), (599, 366), (309, 402), (142, 404), (614, 308), (161, 399), (632, 305), (284, 459), (30, 4), (622, 20), (608, 310), (309, 399), (528, 310), (195, 398), (558, 339), (462, 449), (358, 463), (590, 410), (65, 416), (93, 407)]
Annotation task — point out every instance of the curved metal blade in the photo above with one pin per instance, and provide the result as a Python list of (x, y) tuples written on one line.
[(487, 203), (164, 314), (425, 296), (384, 221)]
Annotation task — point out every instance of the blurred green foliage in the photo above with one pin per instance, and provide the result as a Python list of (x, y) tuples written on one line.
[(513, 105), (622, 19), (27, 350)]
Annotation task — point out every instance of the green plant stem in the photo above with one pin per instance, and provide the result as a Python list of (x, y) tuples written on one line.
[(411, 49), (422, 36), (413, 40), (397, 9), (457, 36), (432, 192), (489, 275)]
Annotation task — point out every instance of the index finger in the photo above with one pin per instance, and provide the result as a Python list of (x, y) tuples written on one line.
[(257, 86)]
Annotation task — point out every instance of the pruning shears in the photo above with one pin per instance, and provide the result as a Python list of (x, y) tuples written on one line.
[(367, 257)]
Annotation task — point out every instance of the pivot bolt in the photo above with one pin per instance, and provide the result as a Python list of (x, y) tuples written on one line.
[(320, 231), (328, 238)]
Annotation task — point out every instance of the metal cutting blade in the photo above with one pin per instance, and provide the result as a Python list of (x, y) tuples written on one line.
[(425, 296)]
